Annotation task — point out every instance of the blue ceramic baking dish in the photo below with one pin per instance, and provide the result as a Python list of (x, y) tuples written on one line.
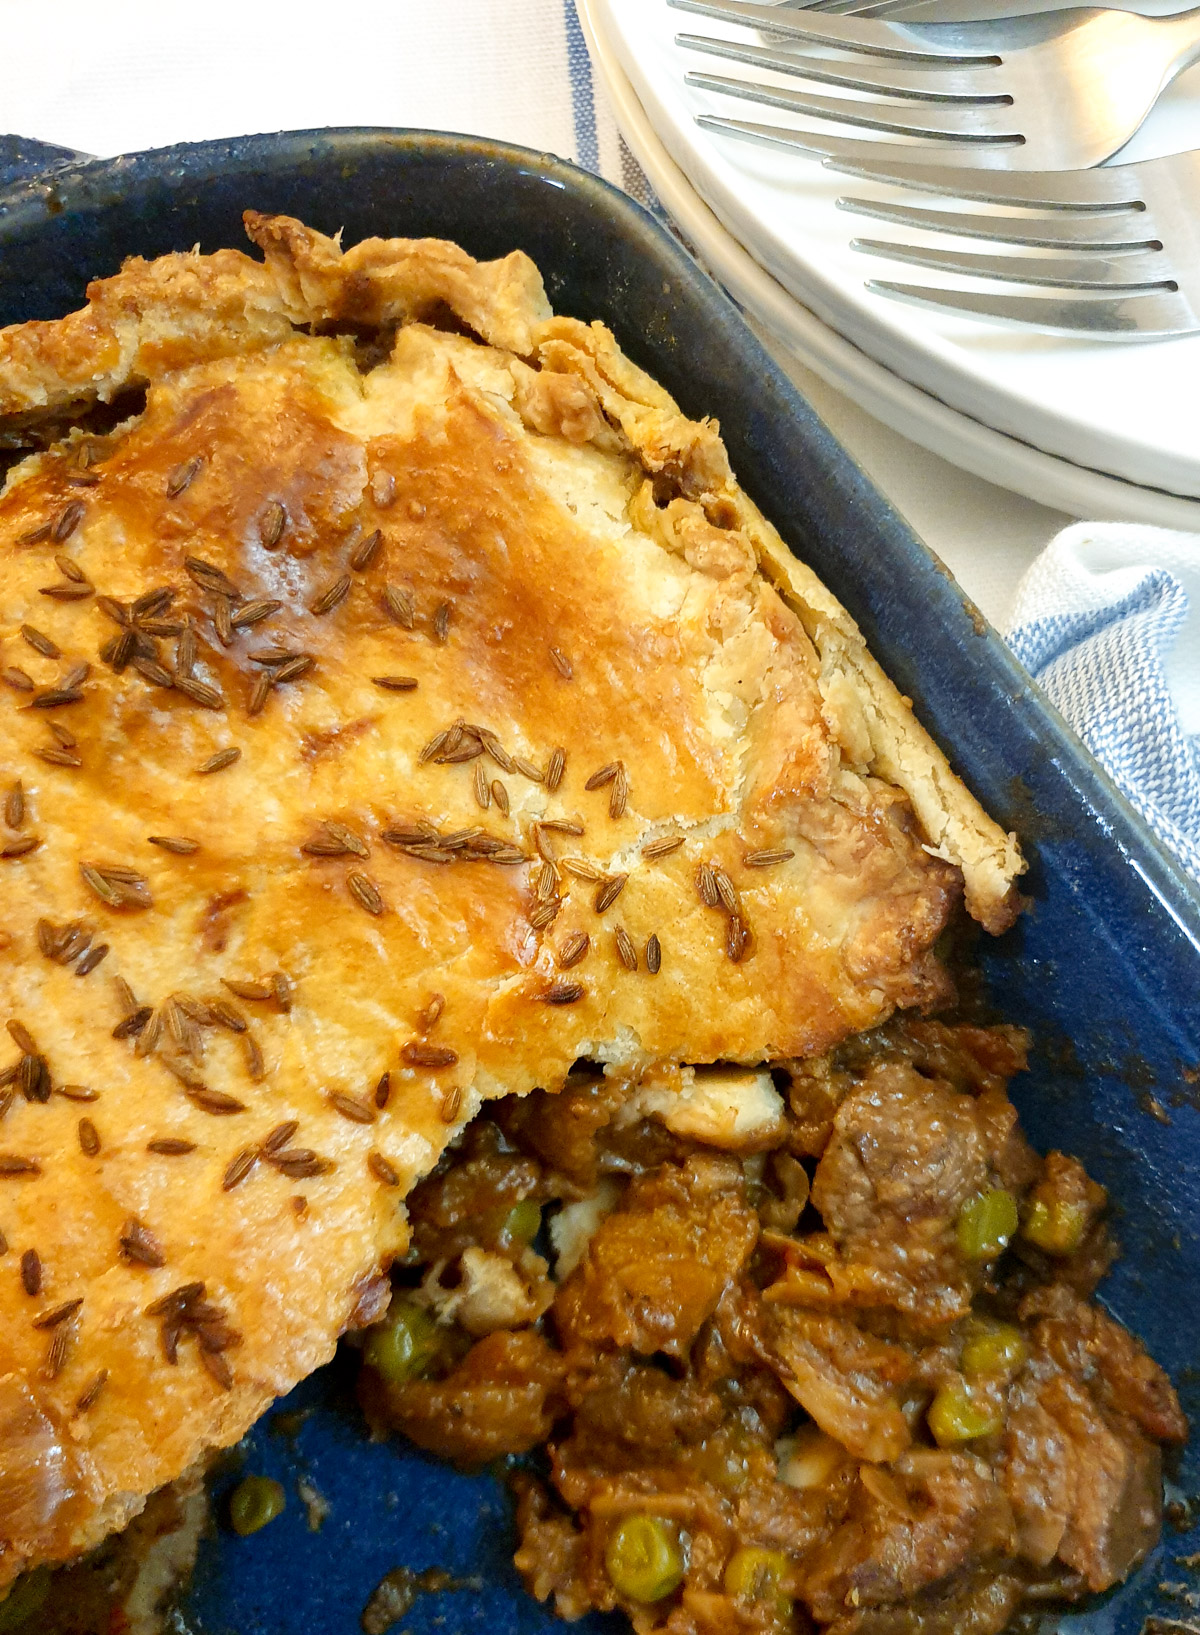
[(1105, 966)]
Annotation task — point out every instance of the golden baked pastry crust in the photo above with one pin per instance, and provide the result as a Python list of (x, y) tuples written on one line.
[(567, 569)]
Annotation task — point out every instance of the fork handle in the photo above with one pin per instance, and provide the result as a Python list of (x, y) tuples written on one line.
[(1184, 30)]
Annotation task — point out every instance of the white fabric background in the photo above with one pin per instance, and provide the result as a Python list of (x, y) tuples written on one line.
[(115, 76)]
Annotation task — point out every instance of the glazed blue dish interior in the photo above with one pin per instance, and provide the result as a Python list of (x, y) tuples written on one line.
[(1104, 967)]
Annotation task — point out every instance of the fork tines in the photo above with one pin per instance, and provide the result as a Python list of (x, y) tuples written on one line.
[(1086, 238), (992, 120), (1100, 251), (957, 101), (842, 33), (952, 104)]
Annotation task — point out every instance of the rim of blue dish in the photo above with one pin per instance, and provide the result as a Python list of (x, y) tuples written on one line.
[(1085, 809)]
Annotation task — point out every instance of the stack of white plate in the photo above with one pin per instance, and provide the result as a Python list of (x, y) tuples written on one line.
[(1095, 429)]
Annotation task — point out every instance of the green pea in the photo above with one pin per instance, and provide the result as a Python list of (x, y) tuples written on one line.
[(643, 1557), (27, 1596), (724, 1461), (253, 1503), (986, 1223), (405, 1345), (522, 1223), (1056, 1226), (996, 1349), (757, 1575), (956, 1414)]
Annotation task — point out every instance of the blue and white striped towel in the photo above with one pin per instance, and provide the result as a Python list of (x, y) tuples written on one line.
[(1108, 620)]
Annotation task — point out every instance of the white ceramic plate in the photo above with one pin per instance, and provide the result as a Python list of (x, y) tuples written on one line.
[(1124, 410), (966, 442)]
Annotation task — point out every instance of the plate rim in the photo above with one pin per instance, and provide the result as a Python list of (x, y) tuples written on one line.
[(966, 442), (926, 370)]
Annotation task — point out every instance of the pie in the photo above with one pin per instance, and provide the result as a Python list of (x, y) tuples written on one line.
[(401, 702)]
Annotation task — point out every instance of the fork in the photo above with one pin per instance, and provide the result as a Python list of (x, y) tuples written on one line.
[(1058, 91), (1117, 250), (962, 11)]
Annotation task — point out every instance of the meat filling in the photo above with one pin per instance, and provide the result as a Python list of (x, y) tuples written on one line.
[(851, 1382)]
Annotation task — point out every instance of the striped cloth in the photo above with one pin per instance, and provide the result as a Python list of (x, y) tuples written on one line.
[(1108, 620), (599, 145)]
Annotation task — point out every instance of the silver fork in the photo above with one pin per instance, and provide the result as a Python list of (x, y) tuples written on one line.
[(1117, 250), (964, 11), (1058, 91)]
